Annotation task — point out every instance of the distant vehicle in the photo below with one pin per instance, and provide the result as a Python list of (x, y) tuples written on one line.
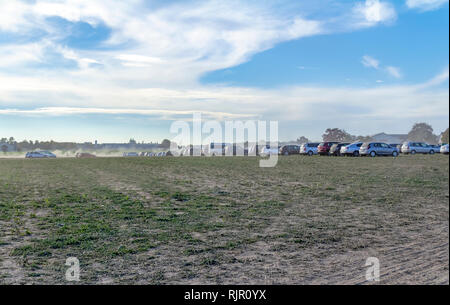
[(253, 150), (192, 151), (444, 149), (398, 146), (217, 149), (130, 154), (374, 149), (40, 154), (267, 150), (351, 149), (309, 149), (84, 155), (335, 149), (324, 148), (235, 150), (287, 150), (437, 148), (417, 147)]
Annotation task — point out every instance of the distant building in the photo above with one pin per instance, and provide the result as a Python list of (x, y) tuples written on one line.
[(390, 138), (5, 147)]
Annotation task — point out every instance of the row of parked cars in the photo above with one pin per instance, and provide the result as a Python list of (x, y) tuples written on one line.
[(147, 154), (366, 149)]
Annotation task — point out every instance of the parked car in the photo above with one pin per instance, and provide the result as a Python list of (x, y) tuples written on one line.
[(444, 149), (192, 151), (335, 149), (351, 149), (397, 146), (437, 148), (374, 149), (287, 150), (84, 155), (267, 150), (40, 154), (253, 150), (323, 148), (309, 149), (217, 149), (417, 147), (130, 154)]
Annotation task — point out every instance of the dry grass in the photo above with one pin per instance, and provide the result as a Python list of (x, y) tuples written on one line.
[(195, 220)]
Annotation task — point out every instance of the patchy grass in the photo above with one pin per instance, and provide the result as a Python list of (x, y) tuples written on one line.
[(221, 220)]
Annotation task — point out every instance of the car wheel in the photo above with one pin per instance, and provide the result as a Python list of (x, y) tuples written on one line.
[(373, 154), (355, 153), (431, 152), (286, 153), (310, 153), (394, 154), (413, 152)]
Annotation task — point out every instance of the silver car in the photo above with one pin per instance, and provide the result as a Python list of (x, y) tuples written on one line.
[(374, 149), (444, 149), (351, 149), (417, 147), (40, 154), (309, 149)]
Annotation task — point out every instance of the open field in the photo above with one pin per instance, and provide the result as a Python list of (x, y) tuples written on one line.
[(224, 220)]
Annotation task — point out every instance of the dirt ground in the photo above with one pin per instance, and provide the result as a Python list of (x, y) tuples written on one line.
[(224, 220)]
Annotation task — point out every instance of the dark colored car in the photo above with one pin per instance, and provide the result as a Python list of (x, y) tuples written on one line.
[(396, 145), (287, 150), (324, 148), (335, 149)]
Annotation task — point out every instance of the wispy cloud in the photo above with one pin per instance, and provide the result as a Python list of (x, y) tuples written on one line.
[(394, 71), (371, 62), (425, 5)]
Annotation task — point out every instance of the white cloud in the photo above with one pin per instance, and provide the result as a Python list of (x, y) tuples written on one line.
[(394, 71), (294, 103), (425, 5), (370, 62), (372, 12)]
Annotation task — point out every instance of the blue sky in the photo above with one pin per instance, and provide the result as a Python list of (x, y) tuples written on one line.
[(81, 71)]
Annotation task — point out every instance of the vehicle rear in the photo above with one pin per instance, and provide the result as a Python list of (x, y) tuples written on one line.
[(406, 148), (351, 149), (324, 148), (444, 149), (364, 150), (309, 149)]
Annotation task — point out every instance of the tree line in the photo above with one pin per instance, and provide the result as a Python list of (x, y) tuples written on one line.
[(420, 132)]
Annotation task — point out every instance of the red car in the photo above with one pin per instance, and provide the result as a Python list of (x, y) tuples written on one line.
[(324, 148)]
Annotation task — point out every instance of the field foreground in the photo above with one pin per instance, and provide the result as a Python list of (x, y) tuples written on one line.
[(224, 220)]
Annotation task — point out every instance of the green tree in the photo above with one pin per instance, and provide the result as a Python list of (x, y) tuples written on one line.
[(336, 134), (165, 144), (302, 139), (422, 132), (444, 138)]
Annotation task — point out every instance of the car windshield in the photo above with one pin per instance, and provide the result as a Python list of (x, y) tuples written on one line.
[(365, 144)]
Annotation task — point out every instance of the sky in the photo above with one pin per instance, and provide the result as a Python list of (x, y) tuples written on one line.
[(86, 70)]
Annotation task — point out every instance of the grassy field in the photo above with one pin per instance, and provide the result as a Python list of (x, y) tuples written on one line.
[(224, 220)]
